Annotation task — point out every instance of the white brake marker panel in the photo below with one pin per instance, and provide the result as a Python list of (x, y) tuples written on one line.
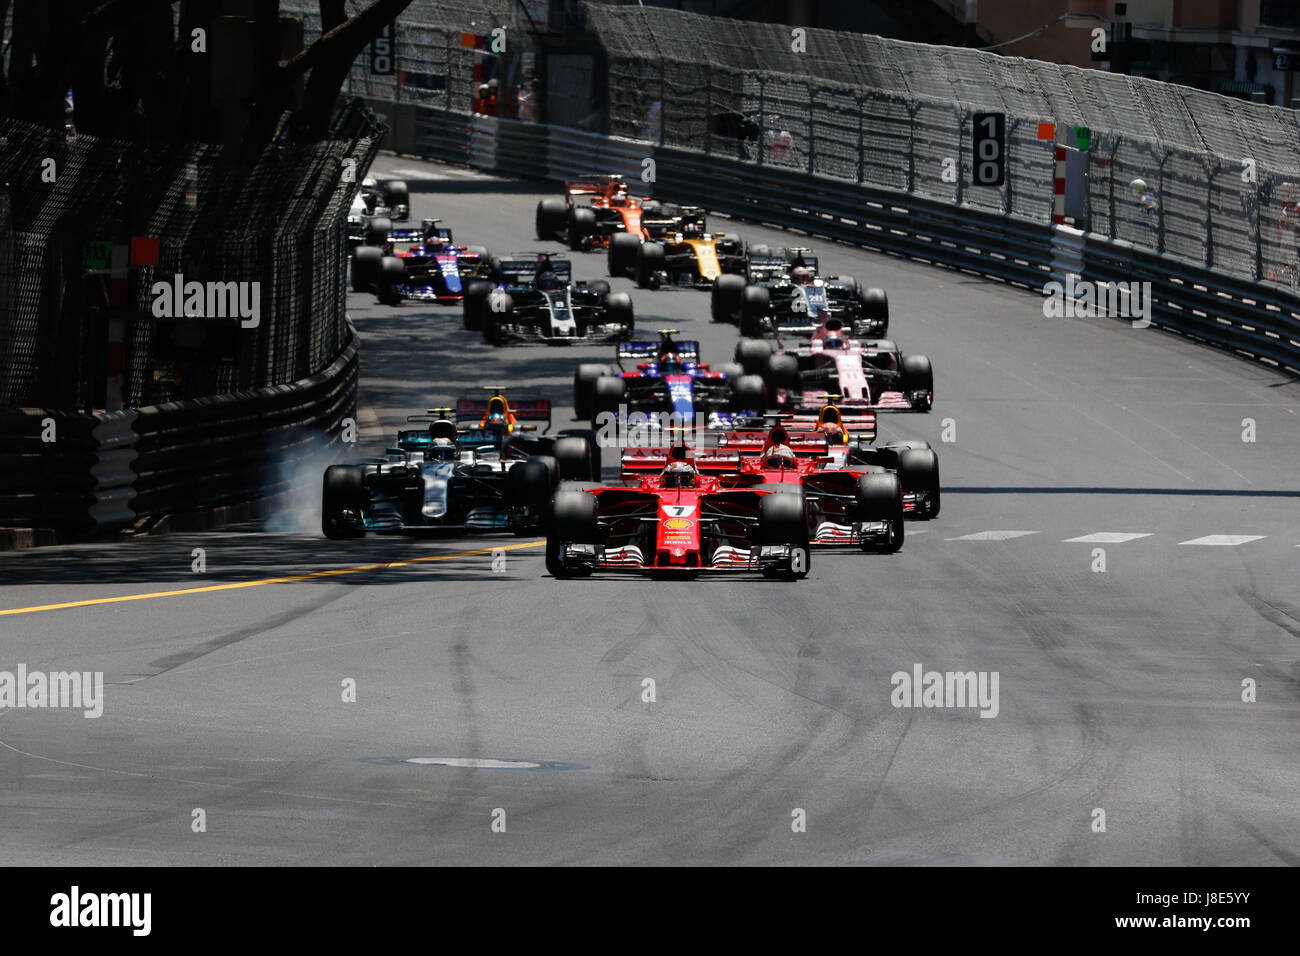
[(1225, 540), (992, 535)]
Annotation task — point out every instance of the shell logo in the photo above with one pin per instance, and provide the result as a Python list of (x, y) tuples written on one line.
[(678, 524)]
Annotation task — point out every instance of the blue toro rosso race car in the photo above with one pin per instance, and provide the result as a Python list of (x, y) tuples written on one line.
[(417, 263), (668, 378), (476, 467)]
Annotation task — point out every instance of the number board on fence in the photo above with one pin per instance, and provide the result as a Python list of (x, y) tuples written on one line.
[(989, 162)]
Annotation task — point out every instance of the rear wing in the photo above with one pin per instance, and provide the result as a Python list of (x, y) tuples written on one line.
[(474, 408), (859, 425), (805, 444), (767, 268), (688, 350), (636, 462), (521, 270), (406, 235)]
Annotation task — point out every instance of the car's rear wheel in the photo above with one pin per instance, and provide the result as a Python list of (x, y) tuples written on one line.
[(584, 384), (476, 293), (551, 215), (724, 301), (618, 311), (581, 224), (748, 394), (753, 356), (365, 267), (755, 300), (392, 276), (607, 394), (620, 259), (578, 458)]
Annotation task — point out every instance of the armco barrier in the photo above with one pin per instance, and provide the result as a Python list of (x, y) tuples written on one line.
[(229, 448), (46, 462), (106, 471), (1260, 321)]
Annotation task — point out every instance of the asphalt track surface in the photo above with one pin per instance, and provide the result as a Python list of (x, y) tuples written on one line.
[(1118, 690)]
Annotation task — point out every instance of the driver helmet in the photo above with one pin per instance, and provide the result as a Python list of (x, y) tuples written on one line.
[(833, 341), (547, 280), (801, 275), (692, 230), (670, 362), (679, 474), (442, 449)]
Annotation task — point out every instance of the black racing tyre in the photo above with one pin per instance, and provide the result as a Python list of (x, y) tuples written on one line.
[(531, 482), (606, 395), (572, 521), (761, 251), (620, 257), (724, 301), (879, 497), (584, 384), (581, 224), (875, 306), (755, 300), (618, 311), (551, 217), (392, 275), (377, 229), (343, 490), (497, 316), (782, 371), (917, 373), (365, 267), (733, 370), (600, 286), (782, 520), (651, 209), (578, 458), (918, 469), (476, 293), (649, 260), (396, 193), (748, 393), (852, 283), (753, 356)]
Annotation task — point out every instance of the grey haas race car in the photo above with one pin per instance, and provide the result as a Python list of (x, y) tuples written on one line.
[(785, 295), (472, 468), (538, 301)]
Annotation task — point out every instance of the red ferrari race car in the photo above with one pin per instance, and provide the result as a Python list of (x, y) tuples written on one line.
[(592, 210), (678, 520), (850, 500), (866, 373)]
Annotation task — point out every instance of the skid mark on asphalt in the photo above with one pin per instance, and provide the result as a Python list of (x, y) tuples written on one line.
[(236, 585)]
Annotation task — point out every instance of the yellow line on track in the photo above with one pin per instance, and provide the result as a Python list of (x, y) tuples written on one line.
[(258, 584)]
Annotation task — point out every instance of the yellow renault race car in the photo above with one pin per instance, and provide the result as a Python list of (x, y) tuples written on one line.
[(675, 249)]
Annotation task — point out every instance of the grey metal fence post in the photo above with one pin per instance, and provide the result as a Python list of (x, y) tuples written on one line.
[(812, 134), (1110, 215), (446, 83), (1160, 206), (912, 108), (1011, 135), (1211, 170), (708, 109), (762, 117), (961, 138), (860, 138)]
